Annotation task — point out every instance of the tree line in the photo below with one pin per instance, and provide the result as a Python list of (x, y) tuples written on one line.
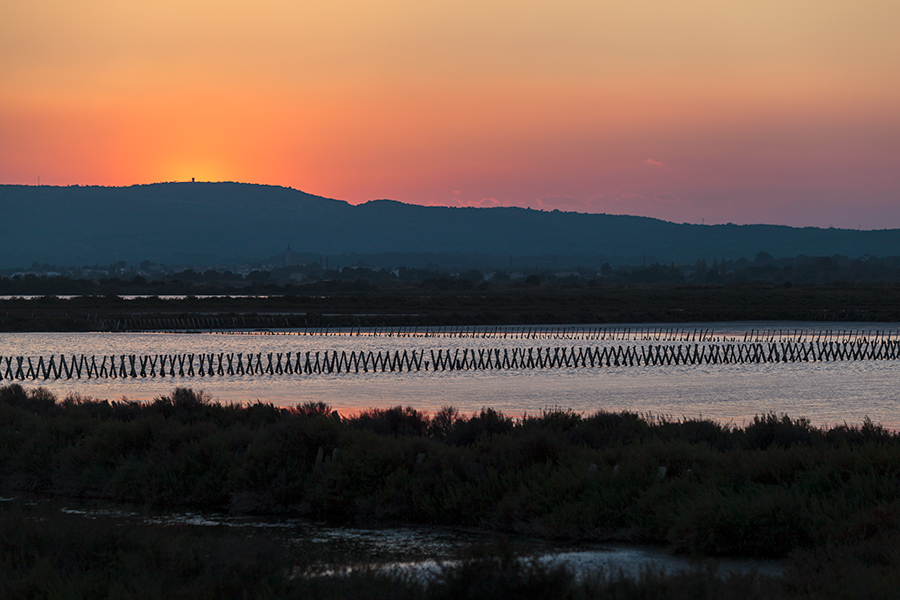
[(149, 278)]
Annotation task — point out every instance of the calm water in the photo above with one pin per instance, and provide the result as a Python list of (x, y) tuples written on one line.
[(827, 392), (419, 551)]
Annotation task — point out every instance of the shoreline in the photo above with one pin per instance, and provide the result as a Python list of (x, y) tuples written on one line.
[(412, 307)]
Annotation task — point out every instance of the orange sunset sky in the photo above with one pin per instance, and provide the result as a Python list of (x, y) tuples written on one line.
[(770, 111)]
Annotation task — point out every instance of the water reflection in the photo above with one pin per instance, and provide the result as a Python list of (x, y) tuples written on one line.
[(421, 552), (826, 392)]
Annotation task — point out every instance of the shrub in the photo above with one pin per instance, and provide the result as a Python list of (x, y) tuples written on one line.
[(555, 419), (443, 422), (784, 432), (605, 428), (313, 409), (39, 401), (184, 405), (486, 423), (396, 421)]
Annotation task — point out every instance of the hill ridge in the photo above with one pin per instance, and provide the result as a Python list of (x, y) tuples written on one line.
[(231, 222)]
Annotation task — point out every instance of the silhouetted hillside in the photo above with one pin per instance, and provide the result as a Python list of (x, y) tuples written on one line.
[(205, 223)]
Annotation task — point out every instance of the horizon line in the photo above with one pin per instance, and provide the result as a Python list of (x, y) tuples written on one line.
[(542, 210)]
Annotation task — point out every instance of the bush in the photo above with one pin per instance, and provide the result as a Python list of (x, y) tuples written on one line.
[(784, 432), (394, 421), (39, 401), (604, 429), (777, 485), (486, 423), (184, 405)]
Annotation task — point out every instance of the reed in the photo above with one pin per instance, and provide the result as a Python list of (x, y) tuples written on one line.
[(773, 487)]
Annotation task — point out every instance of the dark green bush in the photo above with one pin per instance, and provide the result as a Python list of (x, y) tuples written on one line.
[(393, 421), (185, 405), (443, 422), (867, 432), (605, 428), (486, 423), (784, 432), (776, 485), (39, 401)]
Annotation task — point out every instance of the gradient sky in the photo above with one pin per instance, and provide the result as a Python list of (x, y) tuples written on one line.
[(770, 111)]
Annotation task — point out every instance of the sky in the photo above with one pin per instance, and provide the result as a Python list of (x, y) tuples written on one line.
[(763, 111)]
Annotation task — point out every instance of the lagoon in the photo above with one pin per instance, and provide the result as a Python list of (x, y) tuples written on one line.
[(825, 392)]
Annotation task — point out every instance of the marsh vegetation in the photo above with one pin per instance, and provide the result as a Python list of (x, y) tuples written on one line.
[(779, 487)]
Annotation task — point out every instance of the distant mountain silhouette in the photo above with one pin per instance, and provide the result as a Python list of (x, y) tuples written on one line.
[(208, 223)]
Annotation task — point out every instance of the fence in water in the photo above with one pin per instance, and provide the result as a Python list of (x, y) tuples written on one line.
[(21, 368), (576, 332), (287, 325)]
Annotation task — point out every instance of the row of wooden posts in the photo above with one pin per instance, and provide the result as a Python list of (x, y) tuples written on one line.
[(282, 325), (671, 334), (123, 366)]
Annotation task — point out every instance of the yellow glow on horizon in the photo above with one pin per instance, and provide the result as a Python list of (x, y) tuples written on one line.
[(199, 170), (500, 100)]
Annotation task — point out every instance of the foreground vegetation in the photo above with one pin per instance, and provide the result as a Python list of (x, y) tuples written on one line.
[(761, 490), (825, 499), (46, 553)]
